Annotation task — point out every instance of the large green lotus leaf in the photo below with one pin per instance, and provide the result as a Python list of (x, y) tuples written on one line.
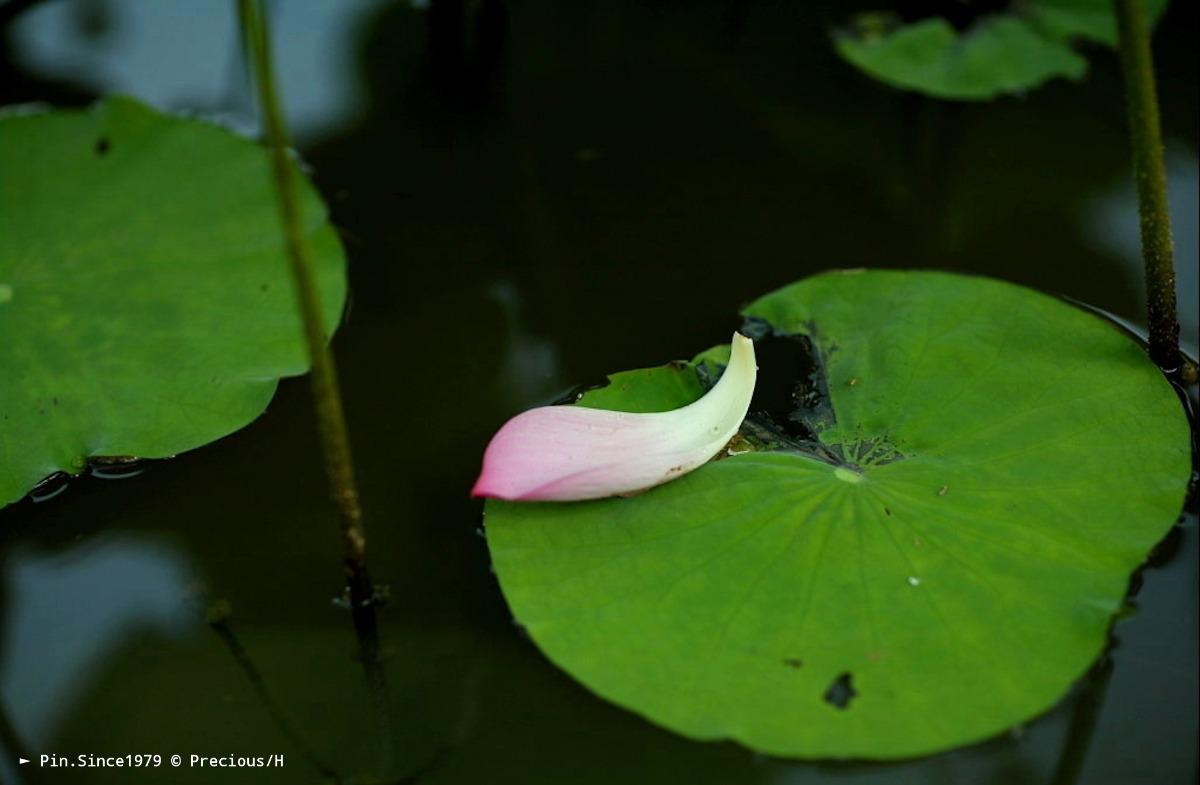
[(938, 559), (145, 301), (998, 54)]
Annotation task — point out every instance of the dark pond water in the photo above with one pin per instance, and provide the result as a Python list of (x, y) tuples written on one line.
[(529, 200)]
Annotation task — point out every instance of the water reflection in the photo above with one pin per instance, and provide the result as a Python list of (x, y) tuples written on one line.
[(130, 46), (629, 173), (68, 612), (531, 365)]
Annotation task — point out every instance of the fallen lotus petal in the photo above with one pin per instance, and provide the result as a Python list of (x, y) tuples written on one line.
[(570, 453)]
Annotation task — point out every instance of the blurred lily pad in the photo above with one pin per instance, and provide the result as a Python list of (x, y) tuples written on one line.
[(924, 547), (146, 306), (995, 54), (1087, 20)]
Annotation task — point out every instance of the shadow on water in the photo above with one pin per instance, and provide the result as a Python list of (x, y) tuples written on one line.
[(532, 196)]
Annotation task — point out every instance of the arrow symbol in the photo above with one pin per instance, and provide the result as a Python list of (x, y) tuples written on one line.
[(22, 761)]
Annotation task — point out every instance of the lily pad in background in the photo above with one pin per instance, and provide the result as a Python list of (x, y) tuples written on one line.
[(996, 54), (146, 305), (926, 550)]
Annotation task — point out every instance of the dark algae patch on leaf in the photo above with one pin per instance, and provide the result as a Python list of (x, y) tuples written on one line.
[(792, 405), (943, 550), (145, 305)]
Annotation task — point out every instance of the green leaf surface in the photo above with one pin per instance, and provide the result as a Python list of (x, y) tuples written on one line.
[(997, 54), (647, 389), (146, 306), (1089, 20), (942, 556)]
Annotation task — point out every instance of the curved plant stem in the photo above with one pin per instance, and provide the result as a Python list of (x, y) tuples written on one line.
[(218, 620), (1088, 705), (331, 419), (1150, 171)]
